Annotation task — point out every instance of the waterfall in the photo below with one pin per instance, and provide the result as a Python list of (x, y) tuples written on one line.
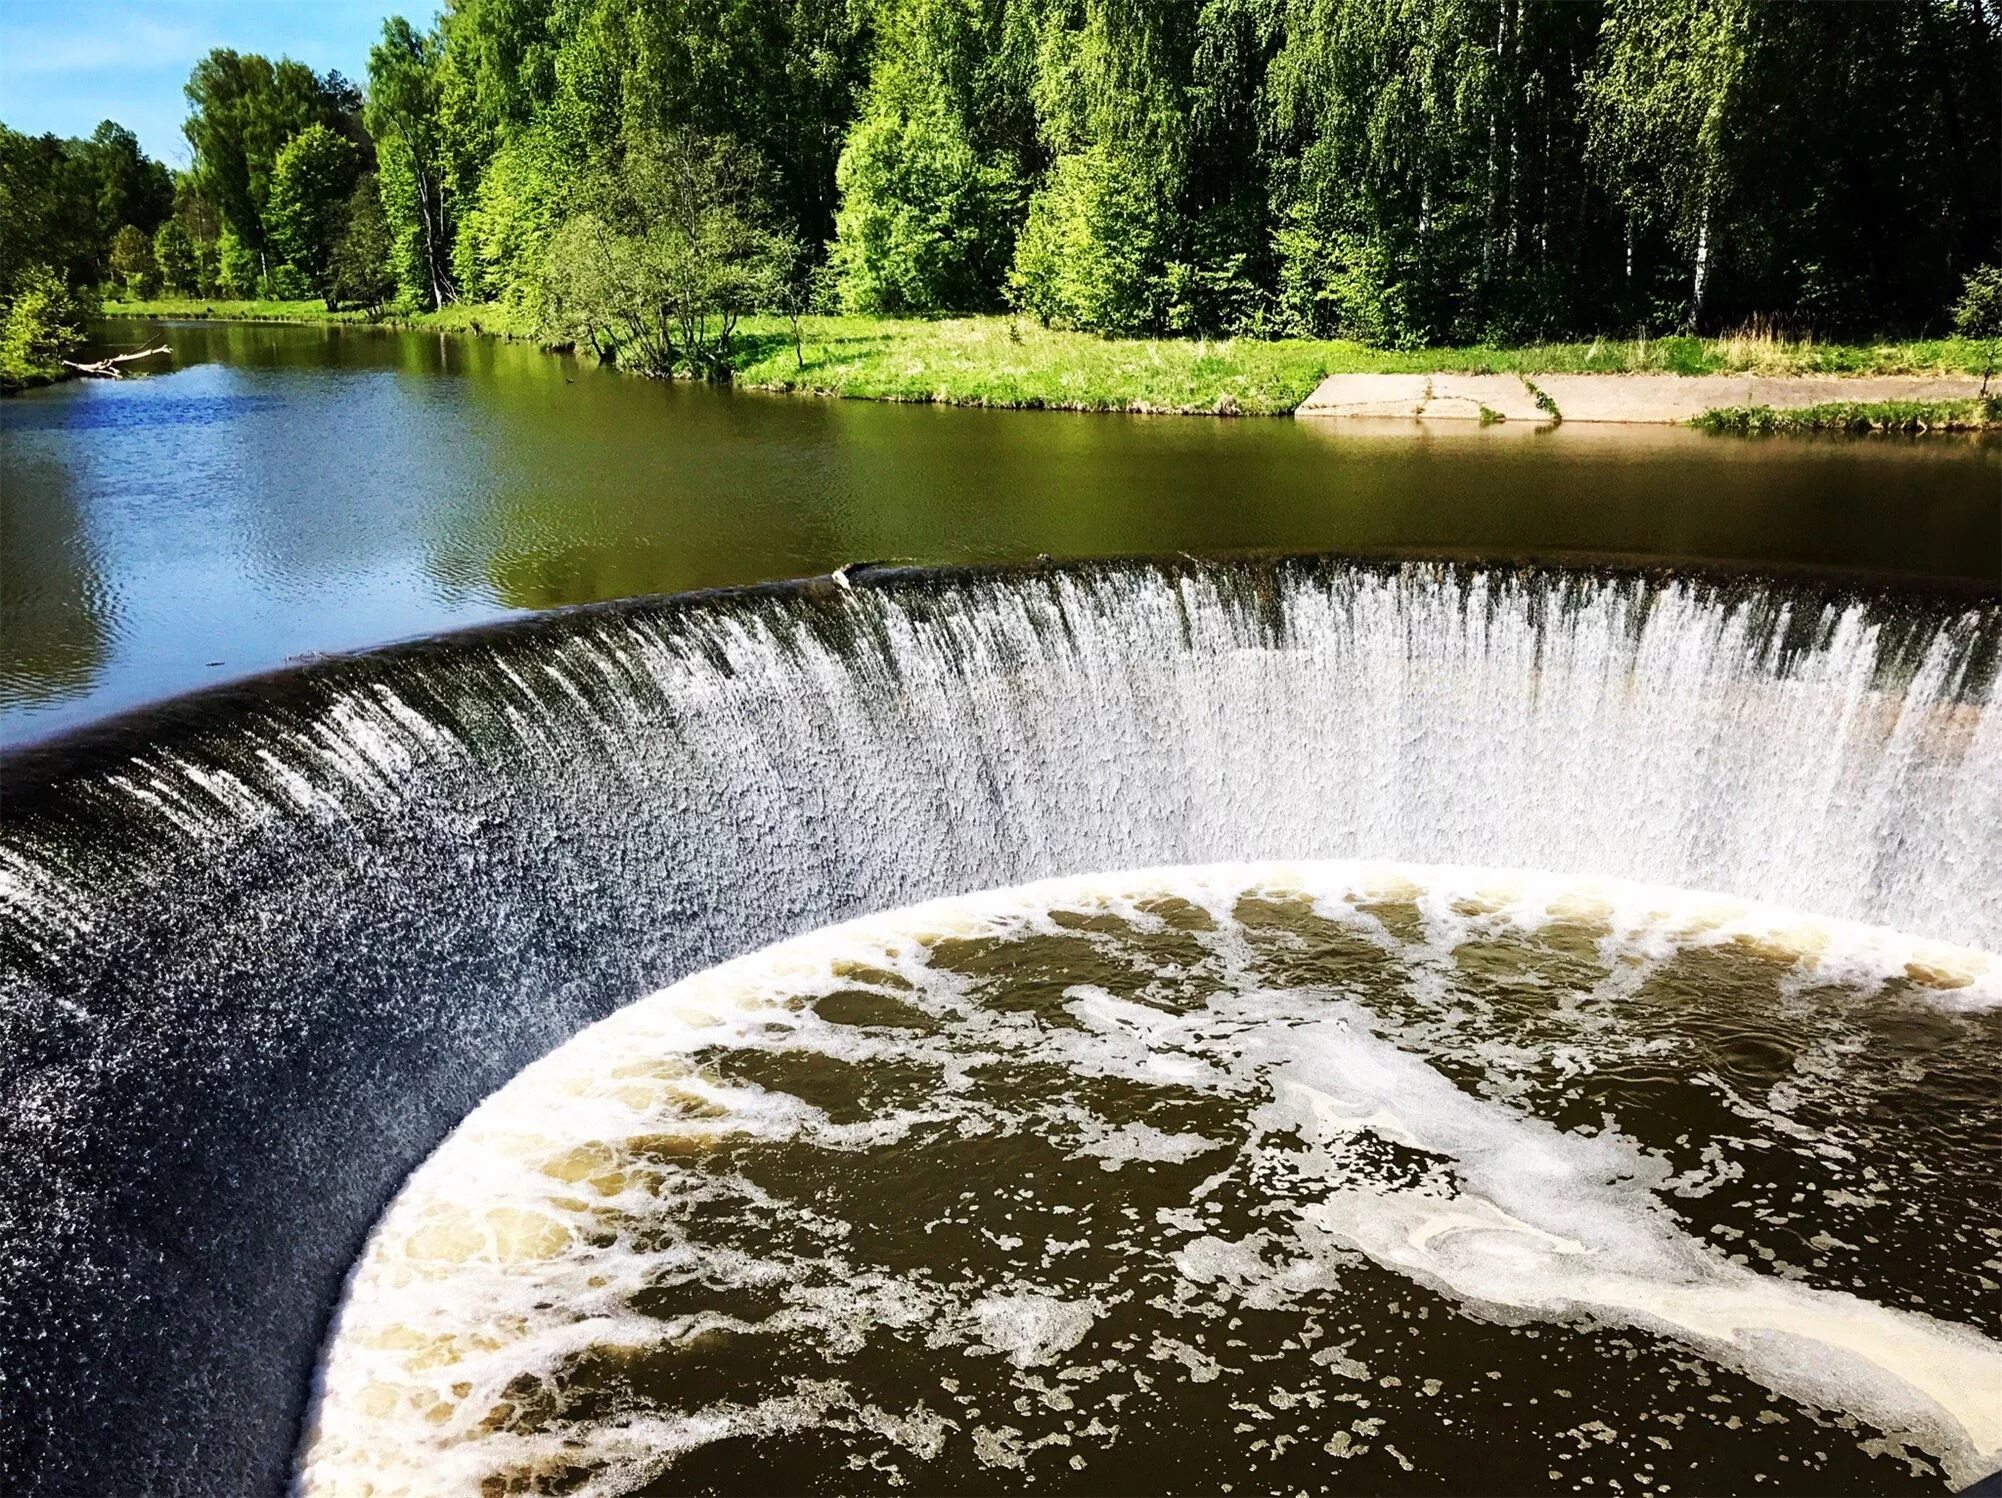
[(260, 949)]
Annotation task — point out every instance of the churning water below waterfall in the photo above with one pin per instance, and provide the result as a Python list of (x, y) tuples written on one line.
[(1335, 1177), (261, 951)]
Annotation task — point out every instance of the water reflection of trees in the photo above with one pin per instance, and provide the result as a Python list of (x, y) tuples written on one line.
[(54, 630)]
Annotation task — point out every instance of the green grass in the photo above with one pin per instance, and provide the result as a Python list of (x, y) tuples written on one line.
[(1003, 361), (1859, 416), (1014, 362), (993, 361), (487, 319)]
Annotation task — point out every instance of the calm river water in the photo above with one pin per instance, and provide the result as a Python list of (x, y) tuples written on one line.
[(294, 490)]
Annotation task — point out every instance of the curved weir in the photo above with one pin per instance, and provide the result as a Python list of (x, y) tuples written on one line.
[(261, 950)]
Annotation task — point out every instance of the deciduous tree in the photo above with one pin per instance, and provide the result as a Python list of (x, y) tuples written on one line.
[(311, 183), (404, 77), (132, 261), (671, 253), (174, 251), (362, 260)]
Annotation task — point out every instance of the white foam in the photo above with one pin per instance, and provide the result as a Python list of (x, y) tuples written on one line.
[(532, 1232), (1561, 1223), (1032, 1330)]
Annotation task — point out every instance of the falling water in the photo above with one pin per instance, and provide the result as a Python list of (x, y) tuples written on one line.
[(260, 950)]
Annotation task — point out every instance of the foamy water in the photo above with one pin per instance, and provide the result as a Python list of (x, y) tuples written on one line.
[(261, 952), (1330, 1168)]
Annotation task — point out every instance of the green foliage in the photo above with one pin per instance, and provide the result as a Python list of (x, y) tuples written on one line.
[(668, 257), (405, 99), (237, 267), (174, 252), (1341, 285), (1817, 159), (1858, 417), (286, 282), (405, 117), (243, 109), (44, 324), (521, 198), (1544, 402), (307, 206), (777, 76), (1400, 172), (360, 264), (130, 187), (1435, 188), (927, 221), (197, 217), (1111, 101), (62, 201), (1092, 252), (1978, 315), (132, 262)]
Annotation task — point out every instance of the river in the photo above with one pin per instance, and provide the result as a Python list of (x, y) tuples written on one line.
[(287, 491)]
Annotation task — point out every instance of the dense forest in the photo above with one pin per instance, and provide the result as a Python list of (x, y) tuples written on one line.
[(633, 174)]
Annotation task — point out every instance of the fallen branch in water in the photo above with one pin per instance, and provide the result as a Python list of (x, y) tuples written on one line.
[(108, 369)]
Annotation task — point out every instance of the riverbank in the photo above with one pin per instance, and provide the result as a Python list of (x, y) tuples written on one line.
[(1743, 403), (1015, 362)]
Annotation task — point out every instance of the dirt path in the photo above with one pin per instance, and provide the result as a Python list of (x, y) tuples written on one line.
[(1610, 397)]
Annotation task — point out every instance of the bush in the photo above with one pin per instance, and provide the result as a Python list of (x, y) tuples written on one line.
[(237, 270), (670, 256), (1335, 285), (287, 283), (1978, 315), (44, 325)]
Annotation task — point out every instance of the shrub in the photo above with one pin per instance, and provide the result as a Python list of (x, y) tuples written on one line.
[(44, 325), (670, 256), (237, 270), (924, 224), (1978, 315)]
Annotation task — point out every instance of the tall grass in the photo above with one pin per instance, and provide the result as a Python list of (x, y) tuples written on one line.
[(1983, 415)]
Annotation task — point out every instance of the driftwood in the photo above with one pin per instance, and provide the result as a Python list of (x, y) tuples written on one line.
[(109, 369)]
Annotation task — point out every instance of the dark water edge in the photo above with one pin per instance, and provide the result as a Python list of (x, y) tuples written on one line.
[(295, 490)]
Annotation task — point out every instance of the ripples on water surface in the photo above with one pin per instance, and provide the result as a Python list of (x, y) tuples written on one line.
[(1349, 1178)]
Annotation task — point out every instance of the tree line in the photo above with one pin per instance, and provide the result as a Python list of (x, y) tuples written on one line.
[(1397, 171)]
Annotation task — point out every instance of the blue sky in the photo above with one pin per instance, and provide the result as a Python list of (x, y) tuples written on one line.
[(66, 64)]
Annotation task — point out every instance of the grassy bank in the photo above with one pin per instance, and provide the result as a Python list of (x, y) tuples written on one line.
[(1003, 361), (487, 320), (1859, 416)]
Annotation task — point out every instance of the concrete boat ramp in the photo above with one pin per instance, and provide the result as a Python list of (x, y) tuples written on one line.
[(1550, 398)]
